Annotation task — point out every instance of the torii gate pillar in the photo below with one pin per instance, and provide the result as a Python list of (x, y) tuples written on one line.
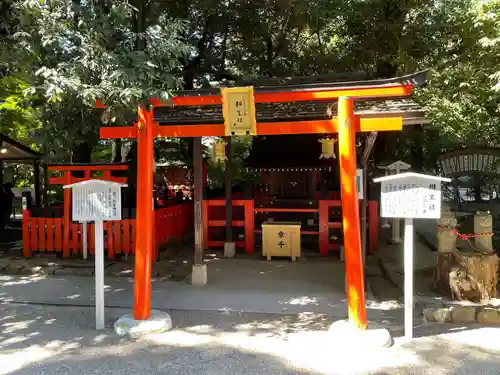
[(350, 214), (144, 216)]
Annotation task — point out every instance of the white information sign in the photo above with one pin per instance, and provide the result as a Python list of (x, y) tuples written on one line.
[(96, 200), (410, 195)]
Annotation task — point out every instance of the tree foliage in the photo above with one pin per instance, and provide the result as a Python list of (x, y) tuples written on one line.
[(72, 52), (77, 52)]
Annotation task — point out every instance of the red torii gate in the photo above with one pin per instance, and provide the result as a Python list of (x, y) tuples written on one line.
[(346, 124)]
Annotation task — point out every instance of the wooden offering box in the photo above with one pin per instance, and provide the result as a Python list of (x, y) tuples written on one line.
[(281, 239)]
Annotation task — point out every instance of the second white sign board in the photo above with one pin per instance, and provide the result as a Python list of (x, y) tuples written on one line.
[(411, 197)]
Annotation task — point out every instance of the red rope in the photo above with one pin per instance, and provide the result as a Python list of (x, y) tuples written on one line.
[(465, 236)]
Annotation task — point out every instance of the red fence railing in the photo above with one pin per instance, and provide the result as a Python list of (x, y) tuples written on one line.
[(329, 217), (326, 225), (245, 220), (174, 223), (44, 234)]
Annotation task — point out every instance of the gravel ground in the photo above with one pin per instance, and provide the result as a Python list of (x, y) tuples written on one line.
[(41, 340)]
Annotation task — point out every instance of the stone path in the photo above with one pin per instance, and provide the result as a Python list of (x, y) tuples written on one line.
[(174, 264), (45, 340)]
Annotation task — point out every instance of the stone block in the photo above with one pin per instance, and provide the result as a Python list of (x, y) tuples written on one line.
[(65, 271), (84, 272), (346, 337), (199, 274), (463, 314), (158, 322), (13, 269), (33, 270), (229, 249), (489, 315), (439, 315), (50, 270)]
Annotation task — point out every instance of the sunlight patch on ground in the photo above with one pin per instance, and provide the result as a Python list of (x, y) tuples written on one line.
[(384, 305), (306, 350), (18, 359), (11, 281), (485, 338), (73, 296), (302, 301), (16, 326)]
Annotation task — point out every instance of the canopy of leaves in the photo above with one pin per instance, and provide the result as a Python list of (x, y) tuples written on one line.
[(91, 50), (72, 52)]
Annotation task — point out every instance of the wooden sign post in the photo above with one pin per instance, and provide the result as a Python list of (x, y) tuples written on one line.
[(410, 196), (97, 200)]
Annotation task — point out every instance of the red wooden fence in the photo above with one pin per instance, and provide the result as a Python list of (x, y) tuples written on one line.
[(325, 223), (246, 222), (47, 234)]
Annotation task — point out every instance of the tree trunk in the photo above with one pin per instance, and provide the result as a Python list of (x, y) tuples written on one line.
[(82, 154), (466, 276)]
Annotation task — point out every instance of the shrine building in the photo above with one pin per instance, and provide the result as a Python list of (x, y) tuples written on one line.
[(309, 160)]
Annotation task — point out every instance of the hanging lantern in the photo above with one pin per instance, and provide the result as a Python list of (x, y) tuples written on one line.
[(328, 148), (219, 151)]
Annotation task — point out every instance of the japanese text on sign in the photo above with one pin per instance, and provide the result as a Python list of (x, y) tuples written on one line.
[(238, 108), (410, 198), (281, 236), (92, 202)]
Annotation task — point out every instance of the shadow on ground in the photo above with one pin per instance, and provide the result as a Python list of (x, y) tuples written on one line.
[(50, 340)]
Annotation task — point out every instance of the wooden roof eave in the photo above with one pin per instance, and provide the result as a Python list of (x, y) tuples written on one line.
[(25, 154), (409, 117), (381, 88), (414, 79)]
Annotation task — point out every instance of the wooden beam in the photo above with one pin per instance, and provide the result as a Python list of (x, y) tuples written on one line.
[(229, 192), (369, 143), (198, 200), (362, 92), (36, 177), (263, 128), (92, 168), (45, 185)]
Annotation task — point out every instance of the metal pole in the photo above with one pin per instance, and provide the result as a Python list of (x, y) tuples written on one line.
[(408, 270), (85, 245), (99, 275)]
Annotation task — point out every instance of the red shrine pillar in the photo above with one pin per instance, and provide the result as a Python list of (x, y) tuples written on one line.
[(144, 216), (350, 213)]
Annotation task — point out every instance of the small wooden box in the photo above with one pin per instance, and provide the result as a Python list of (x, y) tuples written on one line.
[(281, 239)]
